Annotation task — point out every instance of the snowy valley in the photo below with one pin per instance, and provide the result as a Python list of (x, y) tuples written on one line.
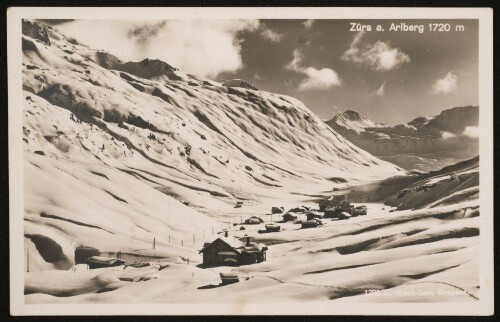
[(143, 161)]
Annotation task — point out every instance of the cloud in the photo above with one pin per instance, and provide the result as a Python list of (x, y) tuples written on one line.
[(471, 131), (380, 92), (445, 85), (201, 47), (144, 33), (321, 79), (308, 23), (379, 56), (447, 135), (271, 35)]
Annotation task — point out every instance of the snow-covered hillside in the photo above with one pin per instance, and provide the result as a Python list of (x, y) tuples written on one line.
[(118, 154)]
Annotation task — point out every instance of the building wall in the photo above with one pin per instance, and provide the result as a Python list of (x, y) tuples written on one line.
[(210, 257)]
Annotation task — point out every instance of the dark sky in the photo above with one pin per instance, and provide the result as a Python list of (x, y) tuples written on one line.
[(388, 76), (432, 56)]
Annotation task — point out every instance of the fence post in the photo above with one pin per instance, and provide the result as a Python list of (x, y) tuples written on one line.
[(212, 230), (194, 239), (169, 239), (182, 242), (28, 260), (154, 242)]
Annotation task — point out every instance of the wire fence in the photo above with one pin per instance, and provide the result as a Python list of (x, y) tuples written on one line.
[(198, 238), (149, 248)]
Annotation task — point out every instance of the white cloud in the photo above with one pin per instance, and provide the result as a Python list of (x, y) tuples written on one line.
[(377, 56), (308, 23), (321, 79), (471, 131), (200, 47), (447, 135), (295, 63), (380, 92), (271, 35), (445, 85)]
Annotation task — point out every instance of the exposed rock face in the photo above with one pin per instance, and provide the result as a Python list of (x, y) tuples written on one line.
[(442, 137), (149, 68), (238, 83), (36, 31)]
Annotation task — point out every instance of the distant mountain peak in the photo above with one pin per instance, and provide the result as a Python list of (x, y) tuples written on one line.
[(352, 120), (352, 115)]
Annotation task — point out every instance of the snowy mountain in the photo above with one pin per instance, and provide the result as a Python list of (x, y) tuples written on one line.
[(425, 143), (122, 155), (352, 120)]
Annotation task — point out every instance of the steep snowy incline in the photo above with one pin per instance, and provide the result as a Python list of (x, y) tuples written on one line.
[(118, 145), (196, 132)]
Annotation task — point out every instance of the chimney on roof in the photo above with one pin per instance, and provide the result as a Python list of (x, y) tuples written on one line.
[(248, 241), (226, 233)]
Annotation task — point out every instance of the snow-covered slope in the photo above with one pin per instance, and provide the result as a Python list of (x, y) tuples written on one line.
[(452, 184), (425, 143), (118, 154)]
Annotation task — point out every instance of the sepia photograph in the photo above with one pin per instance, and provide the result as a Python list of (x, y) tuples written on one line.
[(251, 161)]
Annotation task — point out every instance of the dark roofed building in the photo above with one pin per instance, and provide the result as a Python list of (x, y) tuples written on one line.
[(312, 215), (289, 217), (229, 251)]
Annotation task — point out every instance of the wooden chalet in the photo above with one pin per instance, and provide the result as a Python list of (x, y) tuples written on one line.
[(229, 251)]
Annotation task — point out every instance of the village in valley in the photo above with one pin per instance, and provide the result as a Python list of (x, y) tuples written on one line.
[(229, 250)]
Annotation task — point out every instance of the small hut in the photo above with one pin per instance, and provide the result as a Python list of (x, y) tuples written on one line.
[(277, 210), (313, 215), (300, 209), (254, 220), (289, 217), (333, 211), (102, 262), (311, 223), (229, 278), (272, 228), (359, 211)]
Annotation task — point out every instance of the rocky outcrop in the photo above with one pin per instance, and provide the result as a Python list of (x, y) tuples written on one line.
[(36, 31), (238, 83)]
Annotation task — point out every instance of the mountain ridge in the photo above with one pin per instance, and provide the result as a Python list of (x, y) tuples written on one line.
[(425, 143)]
